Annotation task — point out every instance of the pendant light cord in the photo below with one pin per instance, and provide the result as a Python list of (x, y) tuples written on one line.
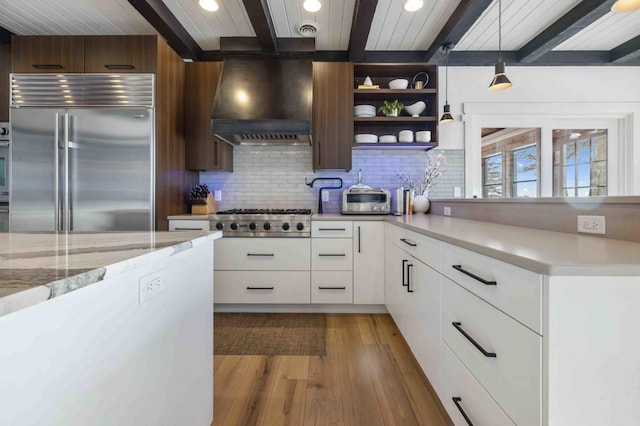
[(446, 78), (499, 30)]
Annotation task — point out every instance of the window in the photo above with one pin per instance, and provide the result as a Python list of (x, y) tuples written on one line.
[(580, 162), (510, 162)]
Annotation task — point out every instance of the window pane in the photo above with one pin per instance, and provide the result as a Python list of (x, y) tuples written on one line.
[(569, 153), (584, 192), (493, 170), (525, 164), (597, 191), (599, 174), (584, 175), (525, 189), (569, 192), (584, 151), (599, 148), (569, 176), (493, 191)]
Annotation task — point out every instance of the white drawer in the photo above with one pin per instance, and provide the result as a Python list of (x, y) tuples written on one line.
[(189, 225), (424, 248), (331, 287), (332, 229), (262, 254), (513, 377), (457, 382), (516, 291), (261, 287), (331, 254)]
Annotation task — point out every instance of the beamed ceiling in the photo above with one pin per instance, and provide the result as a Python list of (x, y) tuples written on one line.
[(534, 32)]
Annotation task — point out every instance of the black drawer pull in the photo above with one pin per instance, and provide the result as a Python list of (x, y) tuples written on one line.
[(409, 243), (260, 254), (457, 400), (332, 229), (331, 288), (474, 276), (119, 66), (188, 229), (47, 66), (332, 254), (458, 326), (409, 266), (404, 274), (259, 288)]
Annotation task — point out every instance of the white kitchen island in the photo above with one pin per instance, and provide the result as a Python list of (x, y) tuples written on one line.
[(106, 329)]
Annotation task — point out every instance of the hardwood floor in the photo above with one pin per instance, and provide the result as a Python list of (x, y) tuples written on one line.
[(367, 377)]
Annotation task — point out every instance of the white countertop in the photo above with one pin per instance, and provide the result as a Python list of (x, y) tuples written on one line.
[(35, 267)]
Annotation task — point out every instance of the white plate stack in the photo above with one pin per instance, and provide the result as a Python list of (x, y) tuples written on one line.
[(388, 139), (366, 138), (364, 111)]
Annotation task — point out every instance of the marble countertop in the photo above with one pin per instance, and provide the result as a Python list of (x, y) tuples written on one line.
[(35, 267)]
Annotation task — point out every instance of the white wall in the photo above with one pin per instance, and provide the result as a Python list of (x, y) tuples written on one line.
[(534, 84), (96, 357)]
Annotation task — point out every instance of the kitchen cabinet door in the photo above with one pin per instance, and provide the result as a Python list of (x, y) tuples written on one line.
[(59, 54), (397, 298), (120, 54), (203, 150), (368, 263), (332, 123)]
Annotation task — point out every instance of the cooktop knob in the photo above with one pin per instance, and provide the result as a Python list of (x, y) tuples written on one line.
[(234, 226), (267, 226), (300, 226), (219, 226), (252, 226), (286, 226)]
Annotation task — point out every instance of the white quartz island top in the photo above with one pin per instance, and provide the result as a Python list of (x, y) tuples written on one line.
[(35, 267), (544, 252)]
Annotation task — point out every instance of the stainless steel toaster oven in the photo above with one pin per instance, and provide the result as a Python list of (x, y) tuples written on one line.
[(366, 201)]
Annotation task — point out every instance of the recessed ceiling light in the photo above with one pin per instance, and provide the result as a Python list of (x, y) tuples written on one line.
[(625, 5), (209, 5), (413, 5), (312, 5)]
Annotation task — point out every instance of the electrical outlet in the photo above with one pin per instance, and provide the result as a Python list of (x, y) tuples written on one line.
[(591, 224), (325, 196), (457, 192), (150, 286), (447, 211), (217, 195)]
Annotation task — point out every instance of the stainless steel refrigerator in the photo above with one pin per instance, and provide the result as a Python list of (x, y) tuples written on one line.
[(82, 152)]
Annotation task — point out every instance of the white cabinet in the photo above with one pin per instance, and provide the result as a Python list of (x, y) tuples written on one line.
[(331, 262), (189, 224), (368, 262)]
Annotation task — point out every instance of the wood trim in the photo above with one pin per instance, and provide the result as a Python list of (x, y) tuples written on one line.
[(173, 181), (626, 52), (582, 15), (161, 18), (460, 21), (260, 17), (360, 27)]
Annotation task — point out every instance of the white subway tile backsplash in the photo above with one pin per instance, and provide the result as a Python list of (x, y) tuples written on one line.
[(268, 177)]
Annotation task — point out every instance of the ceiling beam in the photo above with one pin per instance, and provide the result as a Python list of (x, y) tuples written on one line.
[(5, 36), (463, 18), (575, 20), (161, 18), (553, 58), (260, 18), (626, 52), (251, 46), (360, 26)]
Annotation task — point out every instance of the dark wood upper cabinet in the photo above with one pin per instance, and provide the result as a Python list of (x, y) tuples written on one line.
[(5, 69), (122, 54), (62, 54), (332, 115), (203, 150)]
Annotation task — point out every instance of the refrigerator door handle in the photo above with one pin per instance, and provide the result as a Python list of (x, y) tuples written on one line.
[(56, 173), (66, 203)]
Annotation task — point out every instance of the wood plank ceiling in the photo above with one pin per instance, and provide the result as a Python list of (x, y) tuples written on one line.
[(534, 32)]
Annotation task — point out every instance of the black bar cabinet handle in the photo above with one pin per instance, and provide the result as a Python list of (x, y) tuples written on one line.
[(259, 288), (332, 229), (409, 266), (331, 288), (47, 66), (332, 254), (261, 254), (404, 276), (457, 400), (119, 66), (407, 242), (472, 275), (359, 245), (458, 326), (188, 229)]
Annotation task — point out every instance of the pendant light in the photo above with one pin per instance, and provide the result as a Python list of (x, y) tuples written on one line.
[(500, 80), (209, 5), (446, 116), (625, 6)]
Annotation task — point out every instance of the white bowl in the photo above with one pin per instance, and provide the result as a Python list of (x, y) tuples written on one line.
[(398, 84), (405, 136), (416, 109), (364, 111), (388, 139), (423, 136)]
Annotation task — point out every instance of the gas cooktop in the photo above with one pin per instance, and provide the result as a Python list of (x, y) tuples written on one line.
[(263, 222), (267, 211)]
